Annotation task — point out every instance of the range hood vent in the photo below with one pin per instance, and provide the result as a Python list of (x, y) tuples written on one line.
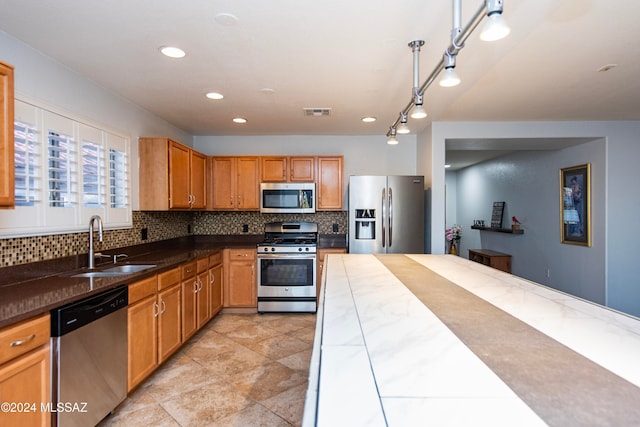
[(317, 112)]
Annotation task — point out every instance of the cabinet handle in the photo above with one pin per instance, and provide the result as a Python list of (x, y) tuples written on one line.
[(199, 284), (239, 204), (196, 289), (164, 307), (156, 311), (212, 278), (22, 342)]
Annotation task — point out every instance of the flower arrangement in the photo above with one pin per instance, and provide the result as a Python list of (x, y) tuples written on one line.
[(453, 233)]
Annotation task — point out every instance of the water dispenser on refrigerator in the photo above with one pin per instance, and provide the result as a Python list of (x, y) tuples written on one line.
[(365, 224)]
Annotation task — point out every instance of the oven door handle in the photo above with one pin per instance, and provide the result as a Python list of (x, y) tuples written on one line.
[(288, 256)]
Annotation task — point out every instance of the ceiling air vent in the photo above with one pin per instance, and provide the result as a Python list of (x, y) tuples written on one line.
[(317, 112)]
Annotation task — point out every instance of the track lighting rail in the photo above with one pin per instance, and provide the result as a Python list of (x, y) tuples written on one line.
[(458, 38)]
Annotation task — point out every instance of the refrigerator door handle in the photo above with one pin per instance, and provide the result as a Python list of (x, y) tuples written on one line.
[(383, 216), (390, 215)]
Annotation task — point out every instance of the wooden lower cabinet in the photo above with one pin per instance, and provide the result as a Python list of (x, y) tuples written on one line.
[(240, 286), (189, 301), (154, 324), (142, 325), (215, 284), (202, 294), (25, 374)]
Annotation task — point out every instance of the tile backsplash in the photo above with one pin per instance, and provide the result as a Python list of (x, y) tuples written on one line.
[(159, 226)]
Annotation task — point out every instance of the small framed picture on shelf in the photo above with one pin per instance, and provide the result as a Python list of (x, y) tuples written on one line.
[(496, 215), (575, 205)]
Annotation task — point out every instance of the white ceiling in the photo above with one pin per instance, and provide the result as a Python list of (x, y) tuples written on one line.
[(281, 56)]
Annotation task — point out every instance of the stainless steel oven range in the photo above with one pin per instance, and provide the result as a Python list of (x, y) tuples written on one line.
[(287, 267)]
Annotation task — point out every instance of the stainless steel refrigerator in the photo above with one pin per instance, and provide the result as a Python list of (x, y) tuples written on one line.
[(386, 214)]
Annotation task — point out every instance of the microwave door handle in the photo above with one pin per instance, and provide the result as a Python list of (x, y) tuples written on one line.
[(383, 217), (390, 216)]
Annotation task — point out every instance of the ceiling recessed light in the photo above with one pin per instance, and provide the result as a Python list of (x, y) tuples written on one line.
[(239, 120), (607, 67), (172, 52), (368, 119), (227, 19), (214, 95), (447, 166)]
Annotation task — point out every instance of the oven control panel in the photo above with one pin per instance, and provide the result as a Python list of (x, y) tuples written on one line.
[(282, 249)]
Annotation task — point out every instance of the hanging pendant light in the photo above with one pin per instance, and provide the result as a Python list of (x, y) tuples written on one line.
[(495, 28), (449, 76), (403, 128), (418, 112)]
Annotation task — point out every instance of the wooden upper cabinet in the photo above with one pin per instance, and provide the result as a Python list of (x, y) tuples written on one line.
[(198, 185), (235, 183), (172, 175), (7, 170), (274, 169), (288, 169), (302, 169), (179, 176), (329, 187)]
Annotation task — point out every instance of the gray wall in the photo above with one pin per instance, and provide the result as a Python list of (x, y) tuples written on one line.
[(620, 174), (529, 184)]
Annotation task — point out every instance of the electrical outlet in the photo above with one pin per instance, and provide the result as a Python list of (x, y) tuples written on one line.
[(245, 228), (548, 273), (188, 228), (144, 234), (335, 228)]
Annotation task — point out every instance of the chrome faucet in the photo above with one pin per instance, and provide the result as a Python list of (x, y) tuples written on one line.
[(92, 261)]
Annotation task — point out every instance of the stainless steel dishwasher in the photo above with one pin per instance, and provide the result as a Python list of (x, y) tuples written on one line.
[(89, 358)]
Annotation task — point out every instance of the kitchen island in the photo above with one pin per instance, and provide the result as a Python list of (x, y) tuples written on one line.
[(407, 340)]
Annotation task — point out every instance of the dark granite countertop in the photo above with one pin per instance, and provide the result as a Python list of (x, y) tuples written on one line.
[(35, 288)]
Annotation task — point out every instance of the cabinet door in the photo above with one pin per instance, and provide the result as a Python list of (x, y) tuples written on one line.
[(329, 186), (7, 171), (142, 332), (169, 322), (189, 298), (222, 188), (26, 380), (248, 184), (242, 284), (179, 176), (274, 169), (198, 183), (202, 299), (301, 169), (215, 290)]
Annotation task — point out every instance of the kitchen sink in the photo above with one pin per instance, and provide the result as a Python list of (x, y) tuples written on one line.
[(129, 268), (119, 270)]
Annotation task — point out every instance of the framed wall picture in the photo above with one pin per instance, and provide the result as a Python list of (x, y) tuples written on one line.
[(575, 205), (496, 214)]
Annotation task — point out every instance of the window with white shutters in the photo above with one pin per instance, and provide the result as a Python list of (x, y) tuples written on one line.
[(62, 171), (27, 150), (71, 170)]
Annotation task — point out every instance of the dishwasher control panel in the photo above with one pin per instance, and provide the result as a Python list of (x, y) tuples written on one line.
[(72, 316)]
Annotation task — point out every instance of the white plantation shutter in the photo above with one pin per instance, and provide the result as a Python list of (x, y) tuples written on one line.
[(66, 170), (27, 163)]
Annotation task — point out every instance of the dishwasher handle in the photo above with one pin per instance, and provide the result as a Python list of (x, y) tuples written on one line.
[(72, 316)]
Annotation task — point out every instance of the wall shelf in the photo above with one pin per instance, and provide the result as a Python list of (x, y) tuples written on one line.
[(498, 230)]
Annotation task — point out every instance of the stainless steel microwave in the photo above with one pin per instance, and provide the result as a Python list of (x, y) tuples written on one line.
[(288, 197)]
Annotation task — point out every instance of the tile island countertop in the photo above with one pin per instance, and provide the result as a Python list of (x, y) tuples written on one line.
[(412, 340)]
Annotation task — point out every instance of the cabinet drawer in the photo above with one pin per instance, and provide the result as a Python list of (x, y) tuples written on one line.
[(215, 259), (22, 337), (142, 289), (168, 278), (242, 254), (203, 264), (188, 270)]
